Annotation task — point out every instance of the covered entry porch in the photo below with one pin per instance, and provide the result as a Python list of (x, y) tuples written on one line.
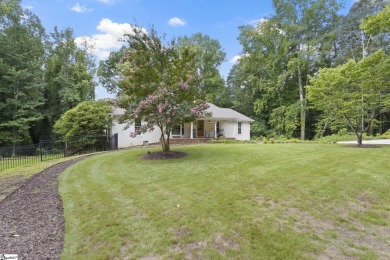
[(200, 129)]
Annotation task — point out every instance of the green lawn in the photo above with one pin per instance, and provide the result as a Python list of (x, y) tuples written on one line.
[(280, 201), (14, 177)]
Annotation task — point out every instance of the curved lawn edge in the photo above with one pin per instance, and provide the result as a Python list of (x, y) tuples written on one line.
[(31, 219)]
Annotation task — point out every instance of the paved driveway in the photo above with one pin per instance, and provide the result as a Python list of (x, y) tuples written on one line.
[(379, 141)]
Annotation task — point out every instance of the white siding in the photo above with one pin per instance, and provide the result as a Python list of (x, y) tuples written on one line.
[(245, 131), (124, 139), (228, 128)]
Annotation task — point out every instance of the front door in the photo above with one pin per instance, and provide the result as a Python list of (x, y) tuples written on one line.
[(200, 129)]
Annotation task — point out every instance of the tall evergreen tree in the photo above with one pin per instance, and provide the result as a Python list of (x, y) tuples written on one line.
[(21, 60)]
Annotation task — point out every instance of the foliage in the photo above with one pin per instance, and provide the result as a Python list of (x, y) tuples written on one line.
[(231, 141), (379, 23), (284, 120), (108, 71), (40, 77), (353, 93), (21, 61), (290, 45), (229, 202), (159, 83), (208, 58), (353, 42), (86, 119), (69, 76)]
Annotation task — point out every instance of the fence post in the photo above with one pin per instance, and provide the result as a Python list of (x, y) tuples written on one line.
[(40, 149)]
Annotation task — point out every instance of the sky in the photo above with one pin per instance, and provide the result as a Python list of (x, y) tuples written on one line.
[(104, 21)]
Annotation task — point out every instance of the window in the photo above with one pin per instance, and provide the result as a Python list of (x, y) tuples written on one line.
[(137, 126), (177, 130), (239, 128), (218, 130)]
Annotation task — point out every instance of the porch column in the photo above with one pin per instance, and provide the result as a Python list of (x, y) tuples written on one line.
[(192, 130), (215, 129)]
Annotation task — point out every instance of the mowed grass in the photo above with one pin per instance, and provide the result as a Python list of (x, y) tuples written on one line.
[(11, 179), (287, 201)]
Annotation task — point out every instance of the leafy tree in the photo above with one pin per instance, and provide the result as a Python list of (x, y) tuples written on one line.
[(308, 27), (108, 72), (86, 119), (353, 42), (208, 58), (69, 76), (22, 40), (379, 23), (278, 56), (353, 93), (159, 82)]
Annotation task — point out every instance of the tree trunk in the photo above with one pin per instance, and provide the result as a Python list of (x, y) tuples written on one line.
[(165, 143), (302, 104), (359, 139)]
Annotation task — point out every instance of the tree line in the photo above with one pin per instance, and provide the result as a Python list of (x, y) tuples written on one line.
[(288, 61), (282, 55), (42, 75)]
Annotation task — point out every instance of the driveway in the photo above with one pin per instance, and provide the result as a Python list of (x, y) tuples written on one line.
[(379, 141)]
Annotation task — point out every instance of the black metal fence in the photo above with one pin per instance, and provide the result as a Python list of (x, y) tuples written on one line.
[(11, 157)]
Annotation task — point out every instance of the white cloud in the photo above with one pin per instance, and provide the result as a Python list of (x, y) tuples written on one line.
[(235, 59), (29, 7), (176, 21), (109, 38), (80, 8), (116, 29), (257, 21)]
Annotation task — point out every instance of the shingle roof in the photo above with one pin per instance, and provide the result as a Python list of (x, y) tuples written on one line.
[(227, 114), (218, 113)]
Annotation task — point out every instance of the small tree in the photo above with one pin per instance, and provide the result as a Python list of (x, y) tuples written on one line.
[(354, 92), (159, 83), (87, 118)]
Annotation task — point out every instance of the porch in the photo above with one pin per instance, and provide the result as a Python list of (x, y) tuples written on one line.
[(201, 129)]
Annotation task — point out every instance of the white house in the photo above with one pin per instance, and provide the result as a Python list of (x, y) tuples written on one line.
[(224, 122)]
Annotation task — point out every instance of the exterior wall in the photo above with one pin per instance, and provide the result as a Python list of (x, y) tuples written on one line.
[(230, 129), (124, 139), (245, 131)]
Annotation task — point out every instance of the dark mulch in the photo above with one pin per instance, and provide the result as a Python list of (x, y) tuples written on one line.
[(32, 217), (163, 155)]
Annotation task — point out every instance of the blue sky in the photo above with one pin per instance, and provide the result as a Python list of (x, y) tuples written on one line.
[(104, 21)]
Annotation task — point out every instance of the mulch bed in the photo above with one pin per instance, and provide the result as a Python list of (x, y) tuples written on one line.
[(163, 155), (32, 217)]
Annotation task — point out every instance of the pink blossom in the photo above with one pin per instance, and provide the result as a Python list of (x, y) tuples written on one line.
[(132, 135)]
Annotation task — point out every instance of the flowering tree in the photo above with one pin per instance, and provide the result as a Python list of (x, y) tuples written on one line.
[(159, 83)]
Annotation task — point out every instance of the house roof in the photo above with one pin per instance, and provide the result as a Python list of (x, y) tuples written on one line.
[(218, 113), (227, 114)]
